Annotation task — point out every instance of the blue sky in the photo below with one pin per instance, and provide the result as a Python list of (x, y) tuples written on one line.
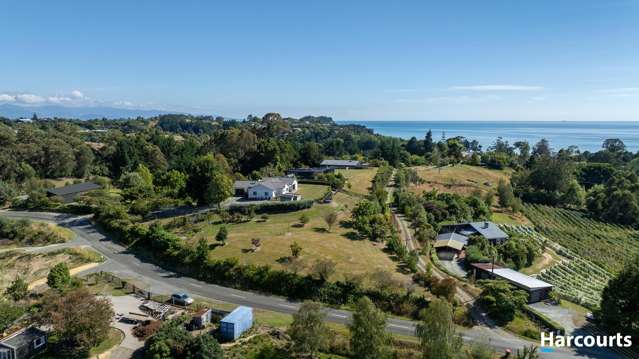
[(364, 60)]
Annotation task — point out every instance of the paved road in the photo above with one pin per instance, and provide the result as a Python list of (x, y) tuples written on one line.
[(126, 264)]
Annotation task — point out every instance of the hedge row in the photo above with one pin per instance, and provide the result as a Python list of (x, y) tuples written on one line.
[(272, 207)]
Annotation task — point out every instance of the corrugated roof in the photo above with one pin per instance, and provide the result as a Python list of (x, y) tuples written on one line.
[(237, 314), (74, 188), (449, 243), (514, 277), (341, 163), (453, 236), (273, 183), (489, 230)]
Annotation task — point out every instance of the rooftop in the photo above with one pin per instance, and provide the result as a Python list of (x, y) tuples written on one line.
[(452, 236), (512, 276), (237, 314), (270, 182), (74, 188), (341, 163), (23, 337), (449, 243), (487, 229)]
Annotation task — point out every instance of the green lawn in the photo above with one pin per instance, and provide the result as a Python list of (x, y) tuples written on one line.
[(312, 191), (359, 179), (462, 179), (114, 338)]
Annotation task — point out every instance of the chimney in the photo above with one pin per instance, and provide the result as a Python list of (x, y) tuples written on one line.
[(485, 224)]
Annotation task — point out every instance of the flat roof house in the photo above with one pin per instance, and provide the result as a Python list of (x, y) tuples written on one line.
[(23, 344), (268, 188), (71, 192), (342, 164), (537, 290)]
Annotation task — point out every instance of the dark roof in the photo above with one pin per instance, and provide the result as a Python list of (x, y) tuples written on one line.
[(74, 188), (489, 230), (310, 170), (23, 337)]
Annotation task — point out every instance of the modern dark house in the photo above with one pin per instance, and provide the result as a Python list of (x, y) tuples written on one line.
[(71, 192), (453, 238), (23, 344), (310, 173), (345, 164), (537, 290)]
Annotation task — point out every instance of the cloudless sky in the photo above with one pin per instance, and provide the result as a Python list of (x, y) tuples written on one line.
[(365, 60)]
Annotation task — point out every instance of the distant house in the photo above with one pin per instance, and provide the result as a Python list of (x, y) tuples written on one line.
[(268, 188), (311, 172), (71, 192), (346, 164), (239, 321), (23, 344), (537, 290), (452, 240)]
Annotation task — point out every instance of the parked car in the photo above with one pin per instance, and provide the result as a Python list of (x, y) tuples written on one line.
[(181, 299)]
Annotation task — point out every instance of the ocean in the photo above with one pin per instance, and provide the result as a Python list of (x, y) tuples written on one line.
[(587, 136)]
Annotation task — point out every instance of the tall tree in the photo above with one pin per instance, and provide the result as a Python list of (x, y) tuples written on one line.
[(369, 339), (436, 332), (308, 331), (428, 142), (78, 317), (209, 181), (620, 301), (18, 289), (204, 347)]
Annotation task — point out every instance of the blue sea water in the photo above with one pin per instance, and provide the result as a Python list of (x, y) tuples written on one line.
[(588, 136)]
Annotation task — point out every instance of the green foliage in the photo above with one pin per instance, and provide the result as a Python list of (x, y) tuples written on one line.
[(80, 319), (9, 312), (59, 277), (369, 339), (304, 219), (171, 341), (436, 332), (296, 250), (501, 300), (222, 234), (620, 301), (7, 192), (209, 181), (25, 233), (18, 289), (308, 331), (204, 347)]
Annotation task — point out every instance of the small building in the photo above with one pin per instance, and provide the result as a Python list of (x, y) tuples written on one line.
[(345, 164), (23, 344), (201, 318), (450, 245), (236, 323), (71, 192), (537, 290), (486, 229), (311, 172), (268, 188)]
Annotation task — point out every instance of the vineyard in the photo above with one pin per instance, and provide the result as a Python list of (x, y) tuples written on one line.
[(606, 245), (577, 279)]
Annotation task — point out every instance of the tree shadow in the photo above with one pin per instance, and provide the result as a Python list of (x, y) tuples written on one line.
[(297, 225), (346, 223), (284, 260), (352, 235), (320, 229)]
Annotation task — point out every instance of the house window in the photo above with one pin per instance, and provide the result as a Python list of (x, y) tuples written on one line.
[(254, 193), (266, 194), (4, 354), (38, 342)]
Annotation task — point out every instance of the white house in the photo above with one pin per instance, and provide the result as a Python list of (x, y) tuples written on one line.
[(268, 188)]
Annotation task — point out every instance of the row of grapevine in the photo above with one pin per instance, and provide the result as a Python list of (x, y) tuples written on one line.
[(575, 278), (607, 245)]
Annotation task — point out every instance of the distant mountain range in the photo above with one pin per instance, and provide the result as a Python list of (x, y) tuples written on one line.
[(83, 113)]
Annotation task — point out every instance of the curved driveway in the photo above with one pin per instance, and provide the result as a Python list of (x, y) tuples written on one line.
[(127, 265)]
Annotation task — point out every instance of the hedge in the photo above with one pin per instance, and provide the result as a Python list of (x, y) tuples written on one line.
[(272, 207)]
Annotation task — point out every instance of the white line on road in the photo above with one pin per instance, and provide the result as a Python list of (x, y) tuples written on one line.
[(400, 326), (196, 285), (338, 315), (238, 296), (287, 306)]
